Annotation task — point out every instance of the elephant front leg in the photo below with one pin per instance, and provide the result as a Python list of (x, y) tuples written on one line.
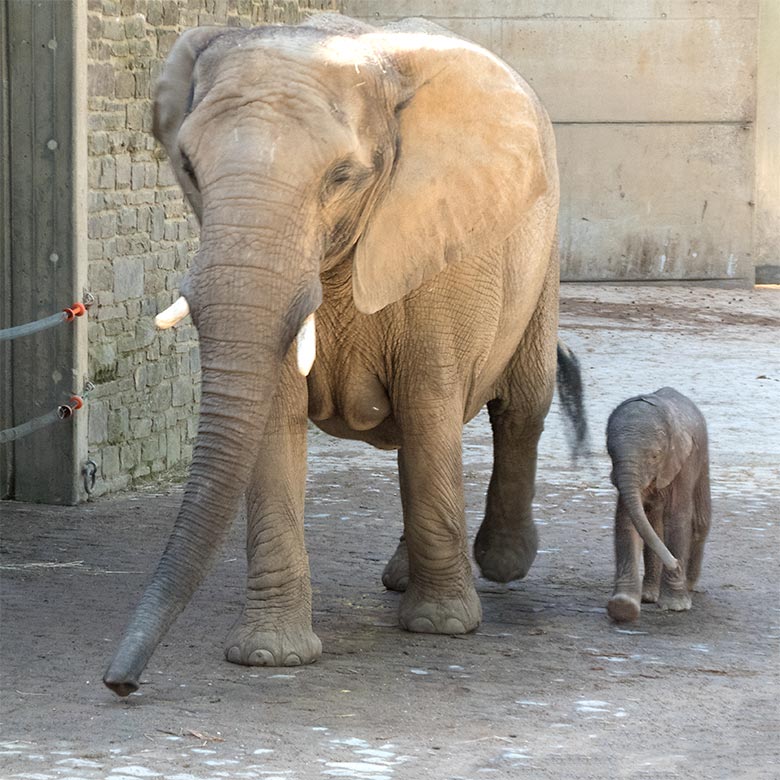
[(275, 627), (651, 582), (625, 602), (674, 594), (440, 597)]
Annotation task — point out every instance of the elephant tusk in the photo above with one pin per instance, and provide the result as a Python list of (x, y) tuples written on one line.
[(175, 313), (306, 343)]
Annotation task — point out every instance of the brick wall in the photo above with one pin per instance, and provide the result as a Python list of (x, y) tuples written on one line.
[(143, 412)]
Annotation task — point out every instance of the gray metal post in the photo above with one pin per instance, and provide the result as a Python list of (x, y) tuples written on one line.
[(6, 399), (46, 164)]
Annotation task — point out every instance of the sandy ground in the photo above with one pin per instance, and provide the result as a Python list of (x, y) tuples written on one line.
[(547, 687)]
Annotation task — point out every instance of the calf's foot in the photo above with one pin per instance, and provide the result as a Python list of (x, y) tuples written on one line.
[(649, 594), (675, 602), (623, 608)]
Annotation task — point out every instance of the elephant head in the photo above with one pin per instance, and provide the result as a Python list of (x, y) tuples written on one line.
[(648, 447), (300, 149)]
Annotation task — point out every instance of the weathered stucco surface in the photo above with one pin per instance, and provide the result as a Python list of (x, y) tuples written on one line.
[(654, 104), (767, 222)]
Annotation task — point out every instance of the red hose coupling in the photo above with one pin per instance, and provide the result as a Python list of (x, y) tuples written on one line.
[(74, 310), (67, 410)]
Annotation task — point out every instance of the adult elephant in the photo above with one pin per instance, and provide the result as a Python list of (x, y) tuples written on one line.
[(401, 183)]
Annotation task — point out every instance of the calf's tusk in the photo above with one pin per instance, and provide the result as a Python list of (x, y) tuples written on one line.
[(176, 312), (306, 342)]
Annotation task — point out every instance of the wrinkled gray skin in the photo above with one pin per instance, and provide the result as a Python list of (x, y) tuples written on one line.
[(660, 466), (402, 184)]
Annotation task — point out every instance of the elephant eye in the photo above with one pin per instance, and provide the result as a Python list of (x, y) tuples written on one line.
[(186, 165), (345, 172), (340, 173)]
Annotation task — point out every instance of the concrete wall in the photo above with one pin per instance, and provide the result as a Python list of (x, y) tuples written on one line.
[(767, 223), (142, 415), (654, 103)]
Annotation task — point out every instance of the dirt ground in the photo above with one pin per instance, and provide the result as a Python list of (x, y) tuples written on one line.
[(546, 688)]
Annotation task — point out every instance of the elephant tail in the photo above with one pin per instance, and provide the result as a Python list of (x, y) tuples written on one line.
[(572, 400)]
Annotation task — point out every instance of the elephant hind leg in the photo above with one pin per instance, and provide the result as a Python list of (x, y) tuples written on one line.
[(694, 560), (702, 515), (507, 541)]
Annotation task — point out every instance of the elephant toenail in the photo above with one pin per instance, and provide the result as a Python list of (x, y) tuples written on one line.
[(292, 660), (262, 658), (233, 655), (454, 626), (422, 625)]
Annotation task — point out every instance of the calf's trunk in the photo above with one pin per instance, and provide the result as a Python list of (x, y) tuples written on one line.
[(628, 485)]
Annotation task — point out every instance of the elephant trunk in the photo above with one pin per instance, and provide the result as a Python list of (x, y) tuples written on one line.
[(627, 484), (243, 345)]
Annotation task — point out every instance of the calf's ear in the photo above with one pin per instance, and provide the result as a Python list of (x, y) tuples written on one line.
[(678, 452)]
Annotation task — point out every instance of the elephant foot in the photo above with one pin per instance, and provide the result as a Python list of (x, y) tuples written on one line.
[(396, 573), (649, 594), (502, 556), (251, 645), (623, 608), (458, 615), (675, 602)]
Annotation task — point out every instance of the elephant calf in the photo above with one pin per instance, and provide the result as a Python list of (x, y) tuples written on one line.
[(660, 466)]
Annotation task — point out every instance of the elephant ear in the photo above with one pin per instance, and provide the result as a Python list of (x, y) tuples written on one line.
[(172, 97), (680, 447), (469, 165)]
